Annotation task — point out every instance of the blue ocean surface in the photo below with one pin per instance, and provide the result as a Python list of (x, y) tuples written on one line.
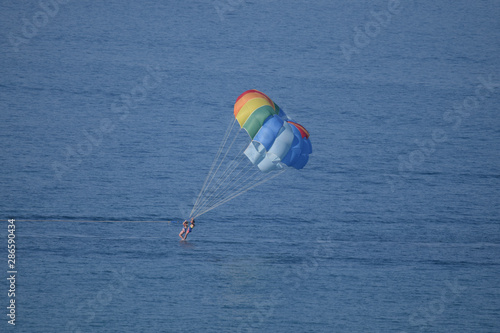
[(114, 111)]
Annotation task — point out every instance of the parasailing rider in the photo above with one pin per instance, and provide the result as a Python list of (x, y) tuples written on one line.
[(186, 230)]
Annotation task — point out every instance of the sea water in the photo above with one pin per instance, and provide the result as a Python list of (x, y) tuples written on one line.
[(114, 111)]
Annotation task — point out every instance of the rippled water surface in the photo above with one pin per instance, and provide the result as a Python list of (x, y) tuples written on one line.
[(114, 110)]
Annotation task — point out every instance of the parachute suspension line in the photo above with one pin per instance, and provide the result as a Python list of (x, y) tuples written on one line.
[(231, 173), (227, 151), (220, 182), (235, 185), (229, 176), (221, 147), (240, 192), (225, 199), (236, 182), (226, 187), (232, 165), (211, 188), (230, 168)]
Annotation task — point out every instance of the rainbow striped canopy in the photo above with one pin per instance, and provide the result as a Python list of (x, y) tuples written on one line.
[(276, 140)]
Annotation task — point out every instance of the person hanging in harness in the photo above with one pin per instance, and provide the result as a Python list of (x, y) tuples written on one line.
[(186, 230)]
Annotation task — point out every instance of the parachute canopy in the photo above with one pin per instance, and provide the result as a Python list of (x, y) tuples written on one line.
[(242, 164), (276, 141)]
